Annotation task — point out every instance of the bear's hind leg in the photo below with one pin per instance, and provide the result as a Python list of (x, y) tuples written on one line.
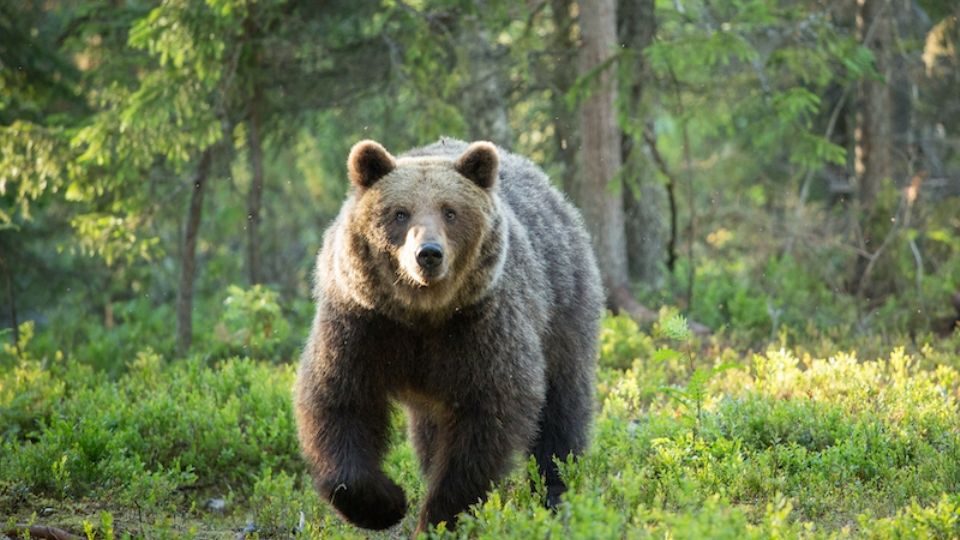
[(473, 451), (566, 415), (423, 434), (563, 432)]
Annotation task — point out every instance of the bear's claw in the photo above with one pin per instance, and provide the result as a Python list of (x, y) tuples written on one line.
[(376, 504)]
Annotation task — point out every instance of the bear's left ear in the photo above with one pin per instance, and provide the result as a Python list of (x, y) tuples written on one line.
[(479, 163), (369, 162)]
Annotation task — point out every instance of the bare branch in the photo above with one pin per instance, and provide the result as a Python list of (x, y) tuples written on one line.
[(40, 531)]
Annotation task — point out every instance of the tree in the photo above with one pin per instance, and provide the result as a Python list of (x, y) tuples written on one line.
[(485, 91), (747, 113), (642, 194), (167, 118), (561, 79), (875, 144), (599, 190), (188, 256)]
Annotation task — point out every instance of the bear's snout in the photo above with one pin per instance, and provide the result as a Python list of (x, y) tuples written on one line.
[(429, 255)]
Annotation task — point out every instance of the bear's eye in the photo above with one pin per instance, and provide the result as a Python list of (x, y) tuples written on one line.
[(449, 214), (401, 216)]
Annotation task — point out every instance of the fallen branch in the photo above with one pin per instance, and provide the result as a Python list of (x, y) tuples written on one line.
[(622, 301), (42, 532)]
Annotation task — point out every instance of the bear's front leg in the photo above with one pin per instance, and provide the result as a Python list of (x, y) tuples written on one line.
[(342, 422), (473, 450)]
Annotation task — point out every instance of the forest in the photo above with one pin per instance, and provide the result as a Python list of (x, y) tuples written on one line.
[(772, 189)]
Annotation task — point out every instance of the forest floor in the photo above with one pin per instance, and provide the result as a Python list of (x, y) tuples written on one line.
[(691, 440)]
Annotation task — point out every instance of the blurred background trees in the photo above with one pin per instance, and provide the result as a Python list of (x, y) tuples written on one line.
[(769, 167)]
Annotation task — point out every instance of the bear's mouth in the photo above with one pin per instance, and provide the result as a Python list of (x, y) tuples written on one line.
[(424, 279), (432, 276), (418, 278)]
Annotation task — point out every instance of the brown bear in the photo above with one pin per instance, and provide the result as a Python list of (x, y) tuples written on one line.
[(457, 281)]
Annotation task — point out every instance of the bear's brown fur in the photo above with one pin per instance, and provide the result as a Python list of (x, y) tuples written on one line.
[(458, 282)]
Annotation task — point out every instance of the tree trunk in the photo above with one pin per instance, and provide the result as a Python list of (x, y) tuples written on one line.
[(15, 324), (254, 197), (956, 307), (906, 68), (642, 197), (108, 319), (485, 94), (189, 255), (875, 143), (599, 192), (874, 149), (563, 77)]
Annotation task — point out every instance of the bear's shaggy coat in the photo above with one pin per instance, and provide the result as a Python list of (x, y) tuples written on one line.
[(491, 352)]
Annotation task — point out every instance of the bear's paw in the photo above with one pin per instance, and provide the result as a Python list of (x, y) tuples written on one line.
[(375, 503)]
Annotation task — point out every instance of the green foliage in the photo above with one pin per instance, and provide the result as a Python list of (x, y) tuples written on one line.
[(791, 446), (279, 505), (253, 322), (31, 165), (786, 74), (622, 343), (30, 391), (163, 427), (88, 341), (673, 326), (940, 520), (111, 105)]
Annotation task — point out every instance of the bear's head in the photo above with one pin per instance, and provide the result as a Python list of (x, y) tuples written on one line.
[(426, 233)]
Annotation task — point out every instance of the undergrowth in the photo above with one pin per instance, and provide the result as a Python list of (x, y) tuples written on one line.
[(691, 440)]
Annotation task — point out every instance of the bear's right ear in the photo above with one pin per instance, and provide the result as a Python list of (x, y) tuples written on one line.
[(369, 162)]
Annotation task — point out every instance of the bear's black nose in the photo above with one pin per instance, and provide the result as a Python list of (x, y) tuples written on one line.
[(429, 256)]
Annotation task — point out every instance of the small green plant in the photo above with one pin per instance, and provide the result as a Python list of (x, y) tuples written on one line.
[(673, 327), (20, 349), (106, 525), (280, 508), (252, 322)]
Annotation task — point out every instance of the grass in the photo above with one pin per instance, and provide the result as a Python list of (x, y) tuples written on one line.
[(691, 440)]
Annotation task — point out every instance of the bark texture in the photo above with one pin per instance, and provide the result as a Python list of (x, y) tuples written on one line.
[(562, 78), (599, 191), (188, 257), (486, 92), (39, 531), (255, 196), (875, 150), (15, 324), (643, 198)]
